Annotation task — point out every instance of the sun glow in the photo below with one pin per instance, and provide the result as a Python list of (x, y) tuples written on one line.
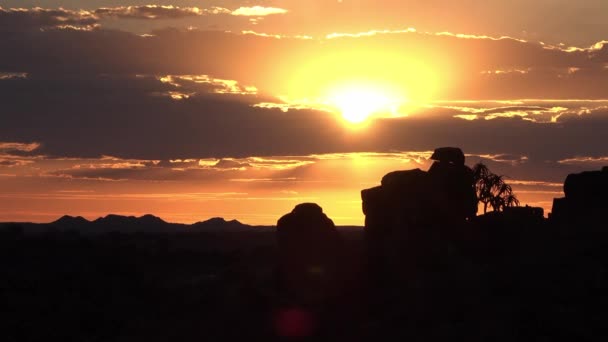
[(359, 103)]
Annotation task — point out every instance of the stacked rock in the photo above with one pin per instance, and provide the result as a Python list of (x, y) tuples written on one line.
[(411, 208), (309, 246), (586, 198)]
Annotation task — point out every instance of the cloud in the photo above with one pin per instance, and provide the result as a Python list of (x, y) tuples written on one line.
[(122, 116), (14, 162), (156, 12), (231, 164), (286, 107), (207, 84), (502, 72), (536, 183), (503, 158), (16, 146), (258, 11), (97, 93), (587, 161), (32, 19), (228, 56), (370, 33), (22, 19), (538, 114), (248, 169), (13, 75)]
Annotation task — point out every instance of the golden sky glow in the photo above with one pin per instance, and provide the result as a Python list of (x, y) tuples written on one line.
[(243, 110), (390, 75), (357, 103)]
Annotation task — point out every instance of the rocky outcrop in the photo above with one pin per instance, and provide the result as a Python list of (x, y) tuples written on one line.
[(309, 247), (445, 193), (410, 208), (586, 198), (452, 155)]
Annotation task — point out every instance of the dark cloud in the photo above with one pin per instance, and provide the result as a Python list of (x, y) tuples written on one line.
[(9, 163), (36, 19), (231, 164), (476, 67), (122, 117), (12, 75), (156, 12), (191, 95), (21, 19)]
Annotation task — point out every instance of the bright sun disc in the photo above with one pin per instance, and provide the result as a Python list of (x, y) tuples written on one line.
[(357, 105)]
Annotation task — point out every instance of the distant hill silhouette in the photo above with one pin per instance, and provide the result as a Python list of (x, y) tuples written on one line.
[(220, 225), (68, 221), (131, 224)]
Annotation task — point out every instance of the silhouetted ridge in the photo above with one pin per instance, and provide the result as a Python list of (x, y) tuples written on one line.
[(219, 224), (119, 219), (216, 220), (113, 219), (151, 219), (68, 220), (113, 223), (131, 224)]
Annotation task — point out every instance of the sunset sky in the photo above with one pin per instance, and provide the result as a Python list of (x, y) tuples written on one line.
[(242, 109)]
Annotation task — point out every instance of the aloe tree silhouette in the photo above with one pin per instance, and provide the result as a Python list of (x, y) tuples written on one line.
[(492, 190)]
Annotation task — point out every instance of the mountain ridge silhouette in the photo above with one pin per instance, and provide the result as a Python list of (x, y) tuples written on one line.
[(147, 223)]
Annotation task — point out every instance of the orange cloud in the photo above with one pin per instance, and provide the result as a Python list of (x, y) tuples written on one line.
[(258, 11), (156, 12), (15, 146), (597, 161), (213, 85)]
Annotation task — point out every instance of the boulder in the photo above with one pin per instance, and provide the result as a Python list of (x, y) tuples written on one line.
[(305, 223), (452, 155), (414, 197), (586, 199), (407, 178), (413, 212), (588, 186), (309, 247)]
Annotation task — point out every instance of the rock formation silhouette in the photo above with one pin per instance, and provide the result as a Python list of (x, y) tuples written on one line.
[(411, 211), (444, 193), (586, 200), (308, 248)]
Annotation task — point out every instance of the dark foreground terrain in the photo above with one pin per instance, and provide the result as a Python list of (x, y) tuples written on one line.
[(492, 280)]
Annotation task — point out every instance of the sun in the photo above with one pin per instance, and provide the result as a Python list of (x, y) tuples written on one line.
[(359, 103)]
